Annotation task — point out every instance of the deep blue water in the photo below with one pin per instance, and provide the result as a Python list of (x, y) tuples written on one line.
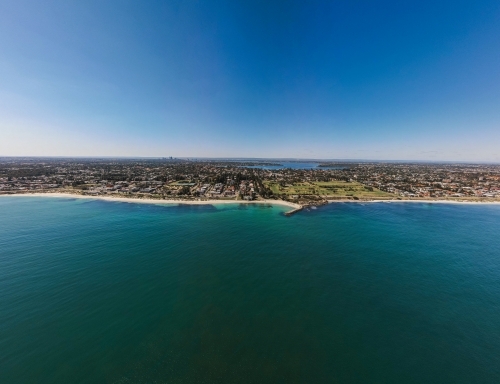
[(108, 292)]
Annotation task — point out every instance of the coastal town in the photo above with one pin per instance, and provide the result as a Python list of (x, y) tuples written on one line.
[(199, 180)]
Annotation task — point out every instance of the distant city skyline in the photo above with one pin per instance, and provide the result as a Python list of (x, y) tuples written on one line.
[(318, 80), (244, 159)]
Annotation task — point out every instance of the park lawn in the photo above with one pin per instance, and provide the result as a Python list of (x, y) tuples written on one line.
[(273, 187), (182, 183), (339, 188), (332, 189), (295, 189)]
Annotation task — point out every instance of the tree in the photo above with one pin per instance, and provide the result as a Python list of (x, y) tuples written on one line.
[(184, 190)]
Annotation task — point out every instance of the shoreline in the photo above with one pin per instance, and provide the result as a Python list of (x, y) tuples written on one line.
[(417, 201), (295, 207), (157, 201)]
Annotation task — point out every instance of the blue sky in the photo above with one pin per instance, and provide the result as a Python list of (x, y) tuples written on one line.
[(332, 80)]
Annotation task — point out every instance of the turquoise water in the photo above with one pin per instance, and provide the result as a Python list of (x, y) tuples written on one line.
[(108, 292)]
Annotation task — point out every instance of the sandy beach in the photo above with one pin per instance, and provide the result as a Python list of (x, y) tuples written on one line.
[(417, 201), (294, 207), (157, 201)]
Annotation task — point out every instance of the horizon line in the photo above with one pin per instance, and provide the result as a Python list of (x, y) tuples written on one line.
[(289, 159)]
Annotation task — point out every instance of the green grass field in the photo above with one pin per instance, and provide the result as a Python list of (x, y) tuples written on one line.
[(333, 189), (182, 183)]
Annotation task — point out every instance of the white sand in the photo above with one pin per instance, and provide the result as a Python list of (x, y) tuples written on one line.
[(157, 201), (416, 201), (217, 202)]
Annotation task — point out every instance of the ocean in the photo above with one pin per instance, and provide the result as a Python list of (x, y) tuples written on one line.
[(110, 292)]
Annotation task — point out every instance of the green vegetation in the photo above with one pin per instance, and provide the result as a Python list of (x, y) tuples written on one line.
[(183, 183), (332, 189)]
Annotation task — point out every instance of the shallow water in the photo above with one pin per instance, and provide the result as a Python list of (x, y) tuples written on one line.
[(98, 291)]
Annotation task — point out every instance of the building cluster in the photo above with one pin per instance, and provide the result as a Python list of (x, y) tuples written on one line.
[(158, 178), (172, 178), (430, 180)]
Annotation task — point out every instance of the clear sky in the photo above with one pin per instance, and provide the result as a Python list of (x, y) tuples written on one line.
[(306, 79)]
